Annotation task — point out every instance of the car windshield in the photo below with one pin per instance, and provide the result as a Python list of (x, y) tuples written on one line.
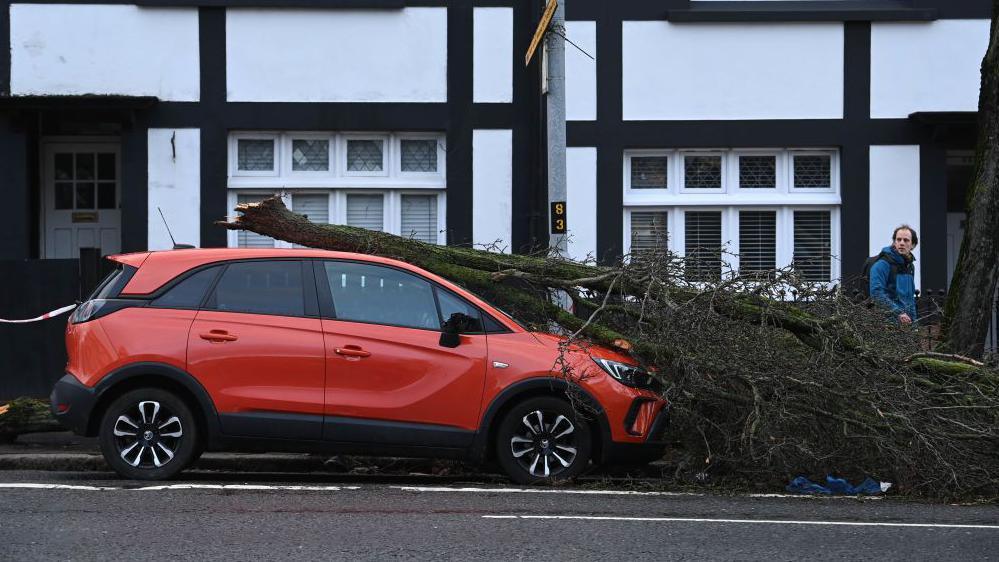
[(498, 309)]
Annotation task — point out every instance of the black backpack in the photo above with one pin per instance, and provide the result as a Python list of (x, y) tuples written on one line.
[(863, 285)]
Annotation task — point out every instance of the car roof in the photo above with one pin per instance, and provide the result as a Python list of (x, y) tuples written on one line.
[(155, 269)]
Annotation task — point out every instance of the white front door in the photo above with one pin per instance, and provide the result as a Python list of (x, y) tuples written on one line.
[(81, 195)]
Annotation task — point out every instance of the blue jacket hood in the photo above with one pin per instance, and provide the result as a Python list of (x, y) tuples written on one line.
[(896, 257)]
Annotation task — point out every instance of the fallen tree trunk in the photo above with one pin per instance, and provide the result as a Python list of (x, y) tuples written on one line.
[(768, 376)]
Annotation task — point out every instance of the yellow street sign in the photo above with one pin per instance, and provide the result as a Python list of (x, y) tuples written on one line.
[(539, 33)]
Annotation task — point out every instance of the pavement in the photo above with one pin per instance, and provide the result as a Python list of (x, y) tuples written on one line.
[(65, 451)]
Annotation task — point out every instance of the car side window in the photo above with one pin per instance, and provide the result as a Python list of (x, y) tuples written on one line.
[(381, 295), (451, 303), (261, 287), (189, 292)]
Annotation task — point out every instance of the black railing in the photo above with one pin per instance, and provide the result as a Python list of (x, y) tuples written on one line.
[(929, 309)]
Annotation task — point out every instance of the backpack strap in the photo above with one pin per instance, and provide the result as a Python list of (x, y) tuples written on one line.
[(892, 268)]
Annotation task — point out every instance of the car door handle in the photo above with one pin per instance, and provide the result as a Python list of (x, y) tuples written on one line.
[(352, 351), (218, 336)]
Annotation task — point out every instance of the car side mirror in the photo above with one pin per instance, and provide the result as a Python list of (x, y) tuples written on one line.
[(453, 327)]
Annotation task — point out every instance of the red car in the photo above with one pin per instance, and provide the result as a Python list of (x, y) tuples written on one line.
[(307, 350)]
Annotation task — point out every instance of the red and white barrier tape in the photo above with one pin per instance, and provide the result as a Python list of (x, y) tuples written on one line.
[(52, 314)]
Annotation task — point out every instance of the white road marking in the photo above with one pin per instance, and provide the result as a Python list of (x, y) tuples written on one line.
[(33, 486), (247, 487), (756, 521), (613, 492), (814, 496), (432, 489), (250, 487), (541, 491)]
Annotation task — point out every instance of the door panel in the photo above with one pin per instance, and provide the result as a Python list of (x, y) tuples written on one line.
[(408, 376), (384, 361), (260, 364), (256, 349)]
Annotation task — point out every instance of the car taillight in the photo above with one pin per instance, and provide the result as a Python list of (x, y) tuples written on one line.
[(95, 308)]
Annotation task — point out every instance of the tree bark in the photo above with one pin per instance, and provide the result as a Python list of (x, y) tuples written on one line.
[(973, 287)]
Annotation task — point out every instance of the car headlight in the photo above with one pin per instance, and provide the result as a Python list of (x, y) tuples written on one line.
[(630, 375)]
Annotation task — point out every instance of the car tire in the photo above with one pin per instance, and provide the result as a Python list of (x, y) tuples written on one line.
[(148, 434), (543, 441)]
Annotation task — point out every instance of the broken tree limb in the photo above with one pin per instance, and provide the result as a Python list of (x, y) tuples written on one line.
[(26, 415), (769, 376)]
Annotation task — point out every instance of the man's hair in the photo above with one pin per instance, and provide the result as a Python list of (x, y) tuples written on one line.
[(915, 237)]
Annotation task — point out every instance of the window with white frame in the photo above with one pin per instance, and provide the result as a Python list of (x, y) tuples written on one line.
[(749, 210), (389, 182)]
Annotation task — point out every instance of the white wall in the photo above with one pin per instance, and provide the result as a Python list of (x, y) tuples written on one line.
[(581, 71), (60, 49), (492, 186), (492, 55), (581, 201), (933, 66), (299, 55), (894, 195), (694, 71), (174, 187)]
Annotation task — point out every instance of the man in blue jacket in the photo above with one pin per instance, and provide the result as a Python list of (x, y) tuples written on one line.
[(892, 282)]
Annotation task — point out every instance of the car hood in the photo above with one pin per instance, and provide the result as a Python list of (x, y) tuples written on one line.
[(593, 350)]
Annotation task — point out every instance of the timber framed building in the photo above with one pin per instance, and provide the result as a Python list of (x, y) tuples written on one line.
[(787, 131)]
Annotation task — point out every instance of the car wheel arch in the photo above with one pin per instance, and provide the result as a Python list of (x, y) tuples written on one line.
[(158, 375), (530, 388)]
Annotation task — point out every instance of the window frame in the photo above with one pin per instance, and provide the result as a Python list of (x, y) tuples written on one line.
[(671, 218), (784, 252), (682, 170), (671, 159), (392, 209), (779, 246), (681, 233), (780, 177), (234, 170), (343, 195), (386, 155), (173, 283), (335, 178), (288, 147), (833, 171), (397, 161), (835, 239), (310, 304)]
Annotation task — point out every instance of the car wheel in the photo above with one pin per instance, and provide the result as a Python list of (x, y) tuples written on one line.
[(542, 440), (148, 434)]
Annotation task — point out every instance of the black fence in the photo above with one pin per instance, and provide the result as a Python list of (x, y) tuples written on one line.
[(33, 355), (929, 306)]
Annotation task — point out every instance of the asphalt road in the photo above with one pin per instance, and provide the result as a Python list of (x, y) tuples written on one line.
[(90, 516)]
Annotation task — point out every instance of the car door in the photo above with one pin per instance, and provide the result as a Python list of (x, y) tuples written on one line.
[(257, 347), (389, 379)]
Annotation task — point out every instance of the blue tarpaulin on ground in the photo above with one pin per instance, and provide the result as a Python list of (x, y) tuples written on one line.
[(837, 486)]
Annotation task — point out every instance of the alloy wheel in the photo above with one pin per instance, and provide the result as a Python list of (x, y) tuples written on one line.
[(147, 435), (545, 444)]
